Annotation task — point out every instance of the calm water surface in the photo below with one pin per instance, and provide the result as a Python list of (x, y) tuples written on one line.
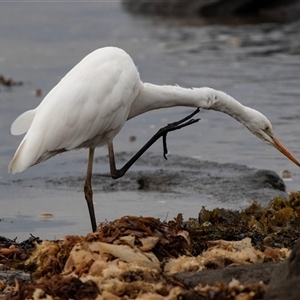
[(258, 65)]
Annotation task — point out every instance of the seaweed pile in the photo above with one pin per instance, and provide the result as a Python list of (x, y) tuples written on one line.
[(144, 258), (9, 82)]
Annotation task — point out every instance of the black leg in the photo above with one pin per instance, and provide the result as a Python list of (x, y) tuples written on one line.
[(161, 133), (175, 126), (88, 191)]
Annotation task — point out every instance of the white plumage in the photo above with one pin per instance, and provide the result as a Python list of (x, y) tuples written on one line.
[(89, 106)]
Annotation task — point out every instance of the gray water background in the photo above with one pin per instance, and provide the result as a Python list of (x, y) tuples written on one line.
[(40, 42)]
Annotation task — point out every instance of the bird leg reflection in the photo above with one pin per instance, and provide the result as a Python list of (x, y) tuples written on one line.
[(115, 173), (88, 191)]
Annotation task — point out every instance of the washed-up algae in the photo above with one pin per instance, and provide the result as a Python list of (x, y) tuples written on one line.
[(9, 82), (141, 257)]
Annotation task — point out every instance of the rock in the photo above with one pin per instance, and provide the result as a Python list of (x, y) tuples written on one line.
[(179, 175), (223, 182), (285, 280), (9, 276), (220, 11), (245, 274)]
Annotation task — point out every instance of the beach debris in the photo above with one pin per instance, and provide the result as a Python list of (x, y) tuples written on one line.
[(46, 216), (286, 174), (13, 253), (132, 138), (38, 92), (9, 82), (145, 258)]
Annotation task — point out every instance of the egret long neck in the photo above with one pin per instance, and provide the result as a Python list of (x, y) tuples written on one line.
[(153, 97)]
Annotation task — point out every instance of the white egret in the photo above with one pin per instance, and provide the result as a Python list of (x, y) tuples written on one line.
[(90, 105)]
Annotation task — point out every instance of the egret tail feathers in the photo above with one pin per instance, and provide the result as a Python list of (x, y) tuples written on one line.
[(18, 163), (26, 155), (22, 122)]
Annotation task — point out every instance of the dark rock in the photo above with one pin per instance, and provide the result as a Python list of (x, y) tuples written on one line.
[(287, 290), (268, 179), (285, 280), (220, 11), (245, 274)]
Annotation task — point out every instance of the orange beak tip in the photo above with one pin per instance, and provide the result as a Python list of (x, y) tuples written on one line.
[(285, 151)]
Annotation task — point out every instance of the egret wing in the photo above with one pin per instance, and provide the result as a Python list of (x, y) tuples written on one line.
[(22, 123), (86, 109)]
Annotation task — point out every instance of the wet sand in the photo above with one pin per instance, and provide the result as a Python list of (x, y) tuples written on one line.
[(154, 187)]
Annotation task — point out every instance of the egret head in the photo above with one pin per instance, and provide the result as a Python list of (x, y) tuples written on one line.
[(260, 126)]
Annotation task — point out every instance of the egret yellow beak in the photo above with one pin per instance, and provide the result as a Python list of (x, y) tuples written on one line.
[(285, 151)]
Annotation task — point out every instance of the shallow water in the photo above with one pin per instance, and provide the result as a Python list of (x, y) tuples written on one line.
[(258, 65)]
